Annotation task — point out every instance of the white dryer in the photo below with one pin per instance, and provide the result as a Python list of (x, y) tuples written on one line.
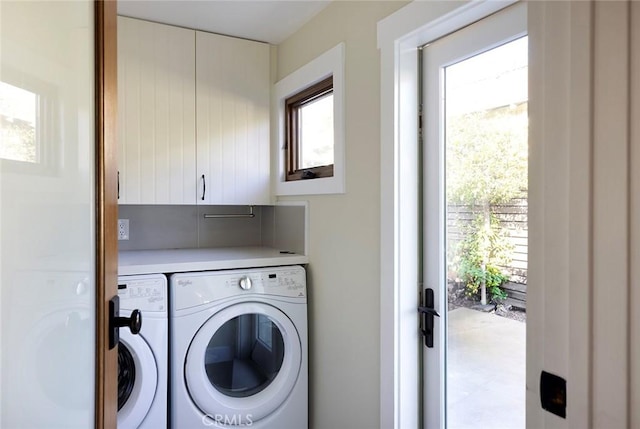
[(239, 349), (143, 358)]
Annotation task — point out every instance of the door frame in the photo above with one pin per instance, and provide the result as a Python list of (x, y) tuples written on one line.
[(106, 210), (399, 37)]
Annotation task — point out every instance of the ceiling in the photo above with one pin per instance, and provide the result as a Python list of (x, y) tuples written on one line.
[(269, 21)]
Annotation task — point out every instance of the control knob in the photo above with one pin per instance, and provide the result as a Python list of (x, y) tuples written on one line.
[(245, 283)]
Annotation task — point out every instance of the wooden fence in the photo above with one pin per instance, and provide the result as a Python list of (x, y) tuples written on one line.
[(513, 218)]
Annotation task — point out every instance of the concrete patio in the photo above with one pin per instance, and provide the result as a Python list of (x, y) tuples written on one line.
[(486, 371)]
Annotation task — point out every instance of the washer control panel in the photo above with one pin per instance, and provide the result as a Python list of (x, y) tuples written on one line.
[(140, 290), (147, 293)]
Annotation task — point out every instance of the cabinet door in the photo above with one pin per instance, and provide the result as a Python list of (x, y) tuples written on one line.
[(232, 99), (156, 112)]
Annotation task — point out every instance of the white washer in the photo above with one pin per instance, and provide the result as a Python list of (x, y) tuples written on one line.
[(239, 349), (48, 362), (143, 358)]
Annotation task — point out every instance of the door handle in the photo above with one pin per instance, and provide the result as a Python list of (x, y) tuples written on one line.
[(428, 313), (133, 322)]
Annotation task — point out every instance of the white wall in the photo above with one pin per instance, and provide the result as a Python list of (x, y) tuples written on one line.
[(344, 240)]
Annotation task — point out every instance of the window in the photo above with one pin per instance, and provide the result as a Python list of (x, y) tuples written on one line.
[(18, 124), (309, 132), (29, 139), (310, 148)]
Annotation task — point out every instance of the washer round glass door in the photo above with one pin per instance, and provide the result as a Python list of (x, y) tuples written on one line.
[(51, 343), (243, 362), (137, 379)]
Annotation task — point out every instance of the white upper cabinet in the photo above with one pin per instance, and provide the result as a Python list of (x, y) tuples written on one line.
[(156, 112), (232, 105), (193, 116)]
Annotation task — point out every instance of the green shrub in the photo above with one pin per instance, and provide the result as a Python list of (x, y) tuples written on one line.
[(484, 243), (472, 276)]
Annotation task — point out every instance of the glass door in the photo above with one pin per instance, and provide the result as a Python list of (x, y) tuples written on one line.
[(47, 214), (475, 223)]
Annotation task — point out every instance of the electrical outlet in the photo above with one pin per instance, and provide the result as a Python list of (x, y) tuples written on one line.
[(123, 229)]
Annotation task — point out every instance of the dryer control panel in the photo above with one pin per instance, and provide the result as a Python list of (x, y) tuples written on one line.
[(277, 283), (192, 289)]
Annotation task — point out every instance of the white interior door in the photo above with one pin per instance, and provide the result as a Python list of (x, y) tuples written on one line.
[(440, 60)]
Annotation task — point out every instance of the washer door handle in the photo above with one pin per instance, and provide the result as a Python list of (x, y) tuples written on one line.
[(134, 322)]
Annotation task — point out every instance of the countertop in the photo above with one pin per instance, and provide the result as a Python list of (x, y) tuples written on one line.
[(184, 260)]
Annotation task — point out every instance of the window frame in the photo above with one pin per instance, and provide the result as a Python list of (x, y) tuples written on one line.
[(293, 142), (330, 63)]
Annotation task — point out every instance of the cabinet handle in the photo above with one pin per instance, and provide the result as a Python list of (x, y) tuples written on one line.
[(118, 185), (204, 187)]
